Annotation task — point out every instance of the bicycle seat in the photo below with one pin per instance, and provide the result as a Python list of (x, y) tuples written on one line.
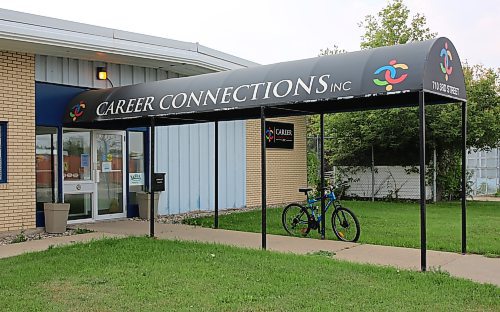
[(305, 190)]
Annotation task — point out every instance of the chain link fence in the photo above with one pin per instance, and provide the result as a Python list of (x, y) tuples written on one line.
[(373, 176)]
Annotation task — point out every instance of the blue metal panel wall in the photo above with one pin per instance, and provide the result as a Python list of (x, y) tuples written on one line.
[(51, 101), (186, 154)]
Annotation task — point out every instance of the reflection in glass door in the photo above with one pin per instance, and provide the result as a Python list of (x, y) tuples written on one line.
[(109, 149), (136, 165), (45, 166), (78, 184)]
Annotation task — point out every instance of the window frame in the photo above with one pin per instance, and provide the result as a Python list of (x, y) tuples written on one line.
[(54, 161), (3, 151), (144, 155)]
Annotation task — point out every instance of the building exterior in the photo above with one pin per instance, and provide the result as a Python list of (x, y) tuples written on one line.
[(485, 169), (17, 192), (44, 62)]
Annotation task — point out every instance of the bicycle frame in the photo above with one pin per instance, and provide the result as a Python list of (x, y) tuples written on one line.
[(311, 201), (344, 222)]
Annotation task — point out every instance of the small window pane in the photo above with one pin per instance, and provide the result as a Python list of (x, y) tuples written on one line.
[(491, 173), (80, 205), (76, 155), (136, 164), (491, 162), (46, 165)]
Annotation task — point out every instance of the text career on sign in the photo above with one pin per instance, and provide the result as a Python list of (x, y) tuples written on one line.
[(247, 92)]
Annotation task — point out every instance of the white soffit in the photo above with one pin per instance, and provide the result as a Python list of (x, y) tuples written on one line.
[(31, 33)]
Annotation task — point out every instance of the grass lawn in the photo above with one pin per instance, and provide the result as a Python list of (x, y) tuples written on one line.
[(141, 274), (395, 224)]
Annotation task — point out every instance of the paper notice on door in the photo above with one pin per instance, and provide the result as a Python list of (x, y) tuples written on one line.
[(106, 166), (84, 160), (136, 178)]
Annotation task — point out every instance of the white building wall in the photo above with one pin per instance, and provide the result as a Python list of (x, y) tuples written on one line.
[(82, 73), (186, 154)]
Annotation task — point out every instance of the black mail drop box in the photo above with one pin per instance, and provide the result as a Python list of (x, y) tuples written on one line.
[(158, 182)]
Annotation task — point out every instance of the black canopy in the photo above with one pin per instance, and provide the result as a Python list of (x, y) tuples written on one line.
[(342, 82), (403, 75)]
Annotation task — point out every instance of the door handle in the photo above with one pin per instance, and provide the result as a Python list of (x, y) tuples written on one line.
[(97, 176)]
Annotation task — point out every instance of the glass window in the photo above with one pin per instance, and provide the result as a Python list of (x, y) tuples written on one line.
[(3, 152), (46, 165), (491, 173), (491, 162), (136, 164), (76, 155), (80, 205)]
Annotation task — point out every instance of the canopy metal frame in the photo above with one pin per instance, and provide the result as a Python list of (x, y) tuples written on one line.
[(410, 75)]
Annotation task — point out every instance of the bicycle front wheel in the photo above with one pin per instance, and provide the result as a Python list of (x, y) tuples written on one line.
[(295, 220), (345, 225)]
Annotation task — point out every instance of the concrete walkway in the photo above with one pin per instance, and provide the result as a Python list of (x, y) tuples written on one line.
[(477, 268)]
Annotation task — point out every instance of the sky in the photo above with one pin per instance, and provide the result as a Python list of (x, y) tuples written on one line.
[(274, 31)]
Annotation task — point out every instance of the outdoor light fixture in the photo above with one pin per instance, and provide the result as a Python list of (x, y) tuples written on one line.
[(102, 73)]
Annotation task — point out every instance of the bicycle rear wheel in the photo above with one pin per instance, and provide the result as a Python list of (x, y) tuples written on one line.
[(295, 220), (345, 225)]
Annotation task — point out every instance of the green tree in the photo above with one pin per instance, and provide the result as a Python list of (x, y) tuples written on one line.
[(393, 133), (354, 133), (392, 25)]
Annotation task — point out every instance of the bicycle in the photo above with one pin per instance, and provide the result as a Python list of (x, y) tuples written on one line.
[(299, 220)]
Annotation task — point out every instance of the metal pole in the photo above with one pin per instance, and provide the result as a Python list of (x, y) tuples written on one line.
[(423, 238), (434, 177), (322, 170), (263, 173), (60, 165), (52, 168), (127, 170), (216, 165), (151, 174), (464, 181), (373, 175), (318, 153)]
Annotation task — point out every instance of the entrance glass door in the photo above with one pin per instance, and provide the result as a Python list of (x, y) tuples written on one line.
[(110, 174), (78, 178)]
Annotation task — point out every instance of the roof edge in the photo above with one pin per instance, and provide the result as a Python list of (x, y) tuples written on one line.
[(47, 31)]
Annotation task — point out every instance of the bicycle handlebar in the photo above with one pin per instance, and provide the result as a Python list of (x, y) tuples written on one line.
[(327, 187)]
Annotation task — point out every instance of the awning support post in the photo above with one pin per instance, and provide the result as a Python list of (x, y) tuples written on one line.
[(373, 174), (151, 177), (216, 173), (464, 177), (423, 234), (60, 162), (322, 172), (263, 173), (52, 168)]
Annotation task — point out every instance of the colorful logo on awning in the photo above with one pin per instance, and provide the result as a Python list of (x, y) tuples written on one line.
[(269, 135), (445, 65), (390, 73), (77, 110)]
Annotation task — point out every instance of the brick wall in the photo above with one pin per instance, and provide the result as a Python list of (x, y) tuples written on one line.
[(17, 107), (286, 169)]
